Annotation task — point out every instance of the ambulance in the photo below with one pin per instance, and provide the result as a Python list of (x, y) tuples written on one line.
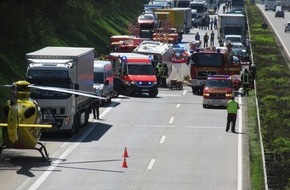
[(134, 74)]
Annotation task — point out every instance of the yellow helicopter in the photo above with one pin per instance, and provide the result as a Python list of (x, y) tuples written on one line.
[(22, 115)]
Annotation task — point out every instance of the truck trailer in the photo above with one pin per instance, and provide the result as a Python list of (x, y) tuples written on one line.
[(231, 24), (63, 67), (179, 18), (286, 5)]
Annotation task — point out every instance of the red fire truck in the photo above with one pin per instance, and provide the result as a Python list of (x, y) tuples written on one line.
[(134, 73), (124, 43), (211, 62)]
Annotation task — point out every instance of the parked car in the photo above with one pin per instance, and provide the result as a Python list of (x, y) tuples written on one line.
[(287, 27), (239, 48), (279, 13)]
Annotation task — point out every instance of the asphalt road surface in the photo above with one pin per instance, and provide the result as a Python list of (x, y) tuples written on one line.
[(171, 140)]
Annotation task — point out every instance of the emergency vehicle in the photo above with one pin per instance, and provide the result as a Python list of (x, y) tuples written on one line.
[(124, 43), (136, 73), (211, 62), (218, 90), (180, 54)]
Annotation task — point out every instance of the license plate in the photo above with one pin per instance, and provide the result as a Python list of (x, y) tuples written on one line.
[(145, 90)]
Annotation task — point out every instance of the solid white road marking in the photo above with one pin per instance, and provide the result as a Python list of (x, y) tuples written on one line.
[(171, 120), (150, 166), (162, 139), (184, 92), (240, 149)]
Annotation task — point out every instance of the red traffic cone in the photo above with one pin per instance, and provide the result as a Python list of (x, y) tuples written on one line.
[(125, 153), (124, 163)]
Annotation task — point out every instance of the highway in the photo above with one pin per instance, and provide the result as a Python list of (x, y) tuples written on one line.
[(171, 140), (278, 25)]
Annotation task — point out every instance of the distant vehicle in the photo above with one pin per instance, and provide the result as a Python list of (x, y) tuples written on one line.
[(285, 5), (270, 5), (237, 3), (231, 24), (180, 54), (183, 3), (160, 3), (169, 3), (103, 79), (200, 6), (279, 13), (218, 90), (148, 21), (287, 27), (233, 38), (240, 51), (278, 3), (193, 16)]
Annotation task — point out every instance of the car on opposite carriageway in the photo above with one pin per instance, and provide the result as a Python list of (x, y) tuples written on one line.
[(287, 27)]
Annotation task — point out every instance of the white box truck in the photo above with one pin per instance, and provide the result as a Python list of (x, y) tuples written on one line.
[(231, 24), (64, 67)]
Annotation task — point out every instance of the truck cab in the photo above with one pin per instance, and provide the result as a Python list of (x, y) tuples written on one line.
[(136, 72), (218, 90)]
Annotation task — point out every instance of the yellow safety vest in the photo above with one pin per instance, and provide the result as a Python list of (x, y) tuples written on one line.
[(232, 107)]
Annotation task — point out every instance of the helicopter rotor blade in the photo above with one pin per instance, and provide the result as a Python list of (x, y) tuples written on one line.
[(8, 85), (28, 125), (69, 91)]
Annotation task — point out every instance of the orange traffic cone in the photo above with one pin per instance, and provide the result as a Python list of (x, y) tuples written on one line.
[(125, 153), (124, 163)]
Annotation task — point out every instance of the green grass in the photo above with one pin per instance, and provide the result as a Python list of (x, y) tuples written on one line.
[(256, 167)]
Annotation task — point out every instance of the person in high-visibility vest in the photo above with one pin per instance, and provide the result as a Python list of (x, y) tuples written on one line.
[(246, 81), (232, 109)]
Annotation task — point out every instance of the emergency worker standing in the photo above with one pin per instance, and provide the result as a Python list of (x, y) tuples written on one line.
[(164, 75), (232, 109), (95, 107), (158, 73), (246, 81), (253, 70)]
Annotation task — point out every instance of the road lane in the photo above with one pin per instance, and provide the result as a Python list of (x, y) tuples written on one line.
[(173, 143), (197, 151)]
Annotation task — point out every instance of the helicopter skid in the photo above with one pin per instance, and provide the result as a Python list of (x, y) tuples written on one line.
[(41, 149)]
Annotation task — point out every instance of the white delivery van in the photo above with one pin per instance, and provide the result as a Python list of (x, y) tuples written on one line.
[(103, 79)]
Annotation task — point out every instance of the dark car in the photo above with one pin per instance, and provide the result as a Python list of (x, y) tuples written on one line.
[(279, 13)]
